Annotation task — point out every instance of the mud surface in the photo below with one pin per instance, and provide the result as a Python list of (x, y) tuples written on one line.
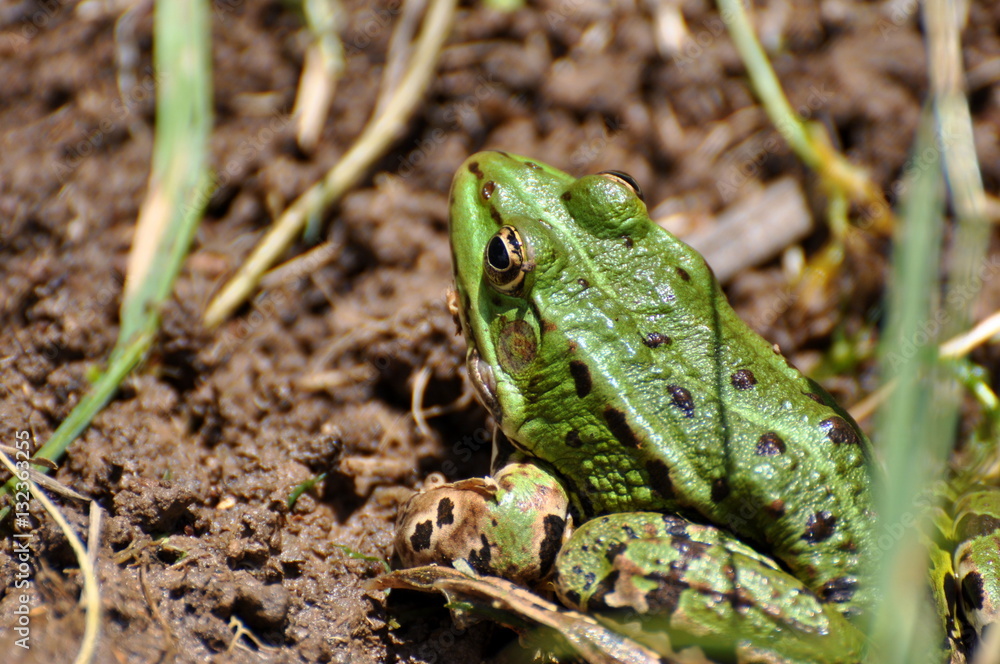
[(194, 460)]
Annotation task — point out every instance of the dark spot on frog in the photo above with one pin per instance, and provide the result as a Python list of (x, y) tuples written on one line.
[(776, 509), (815, 397), (689, 550), (950, 591), (720, 490), (495, 215), (567, 196), (839, 431), (743, 379), (573, 439), (480, 560), (502, 153), (666, 596), (682, 399), (487, 191), (683, 274), (420, 540), (581, 378), (659, 478), (974, 525), (839, 590), (629, 531), (583, 282), (675, 526), (656, 339), (573, 599), (972, 590), (620, 429), (445, 515), (532, 165), (495, 523), (819, 527), (549, 326), (849, 546), (475, 170), (770, 444), (615, 550), (604, 587), (553, 526), (629, 242)]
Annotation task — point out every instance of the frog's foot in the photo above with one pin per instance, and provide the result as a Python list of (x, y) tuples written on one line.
[(509, 526), (702, 586)]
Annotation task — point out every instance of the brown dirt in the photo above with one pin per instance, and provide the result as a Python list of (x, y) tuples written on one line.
[(206, 442)]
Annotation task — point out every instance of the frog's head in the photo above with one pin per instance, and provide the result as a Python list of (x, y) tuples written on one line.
[(515, 224)]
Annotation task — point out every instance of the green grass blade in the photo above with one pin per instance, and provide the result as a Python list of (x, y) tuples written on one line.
[(173, 207), (914, 427)]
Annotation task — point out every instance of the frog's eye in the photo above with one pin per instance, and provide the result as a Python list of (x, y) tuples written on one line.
[(503, 260), (627, 180)]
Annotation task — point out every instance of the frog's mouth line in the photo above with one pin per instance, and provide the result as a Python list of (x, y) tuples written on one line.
[(483, 382)]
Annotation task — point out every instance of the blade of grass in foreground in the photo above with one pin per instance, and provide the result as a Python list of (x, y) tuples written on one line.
[(915, 427), (173, 207)]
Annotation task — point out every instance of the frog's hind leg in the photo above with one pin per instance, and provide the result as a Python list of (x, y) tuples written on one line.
[(510, 525), (659, 574)]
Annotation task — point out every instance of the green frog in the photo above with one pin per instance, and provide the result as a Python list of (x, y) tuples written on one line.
[(724, 498)]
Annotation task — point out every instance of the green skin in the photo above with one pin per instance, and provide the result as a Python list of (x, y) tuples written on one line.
[(613, 364), (964, 572)]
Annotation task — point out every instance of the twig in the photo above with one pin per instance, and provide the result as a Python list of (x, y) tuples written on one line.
[(375, 138)]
